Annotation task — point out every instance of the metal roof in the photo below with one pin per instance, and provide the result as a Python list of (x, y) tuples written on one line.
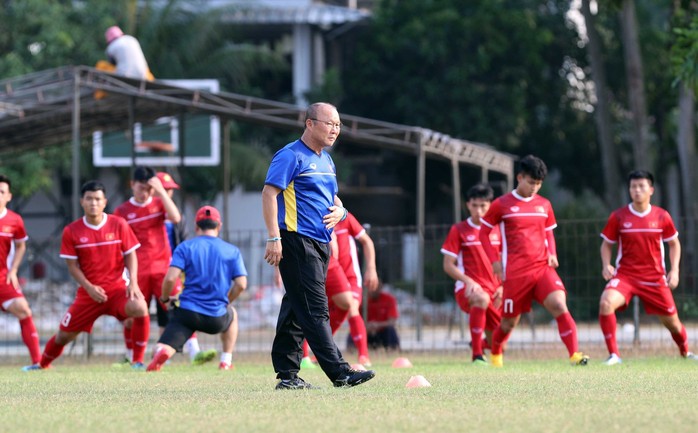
[(285, 13), (36, 111)]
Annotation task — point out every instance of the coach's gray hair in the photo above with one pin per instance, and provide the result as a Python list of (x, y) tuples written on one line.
[(312, 110)]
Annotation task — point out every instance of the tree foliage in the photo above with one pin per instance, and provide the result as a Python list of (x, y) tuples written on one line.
[(684, 54), (491, 71)]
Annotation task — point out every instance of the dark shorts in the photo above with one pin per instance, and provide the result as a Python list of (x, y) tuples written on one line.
[(184, 322)]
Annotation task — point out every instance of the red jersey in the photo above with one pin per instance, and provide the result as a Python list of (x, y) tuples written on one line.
[(347, 231), (640, 238), (463, 243), (148, 223), (382, 308), (100, 249), (523, 223), (11, 231)]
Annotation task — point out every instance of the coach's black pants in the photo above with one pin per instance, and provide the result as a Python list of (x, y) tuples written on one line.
[(304, 311)]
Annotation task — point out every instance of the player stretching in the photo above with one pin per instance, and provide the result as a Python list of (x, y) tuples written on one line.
[(13, 245), (210, 264), (478, 292), (527, 267), (96, 247), (146, 213), (639, 229)]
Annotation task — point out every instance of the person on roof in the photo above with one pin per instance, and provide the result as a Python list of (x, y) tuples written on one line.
[(124, 51)]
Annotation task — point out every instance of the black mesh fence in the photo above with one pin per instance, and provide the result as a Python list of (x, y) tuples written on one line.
[(430, 321)]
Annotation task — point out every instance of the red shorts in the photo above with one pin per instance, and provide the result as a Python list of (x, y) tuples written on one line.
[(81, 315), (336, 282), (493, 315), (8, 293), (151, 285), (657, 298), (520, 292)]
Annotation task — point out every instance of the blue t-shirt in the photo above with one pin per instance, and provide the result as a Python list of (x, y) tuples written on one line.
[(309, 185), (210, 265), (170, 229)]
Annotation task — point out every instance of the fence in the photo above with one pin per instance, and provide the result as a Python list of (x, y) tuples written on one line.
[(444, 327)]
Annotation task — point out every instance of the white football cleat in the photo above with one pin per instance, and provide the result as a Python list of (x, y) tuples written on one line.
[(613, 360)]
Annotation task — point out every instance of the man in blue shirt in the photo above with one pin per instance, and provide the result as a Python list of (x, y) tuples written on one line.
[(300, 207), (210, 265)]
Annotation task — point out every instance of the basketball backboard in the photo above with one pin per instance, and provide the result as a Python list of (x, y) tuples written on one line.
[(158, 143)]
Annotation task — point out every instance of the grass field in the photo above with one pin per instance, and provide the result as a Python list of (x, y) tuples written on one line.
[(656, 394)]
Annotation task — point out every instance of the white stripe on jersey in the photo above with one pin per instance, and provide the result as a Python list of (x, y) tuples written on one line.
[(145, 218), (99, 244), (516, 215)]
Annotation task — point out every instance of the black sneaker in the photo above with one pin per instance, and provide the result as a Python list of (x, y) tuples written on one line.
[(295, 383), (353, 378)]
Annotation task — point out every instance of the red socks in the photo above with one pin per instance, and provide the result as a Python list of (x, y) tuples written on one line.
[(51, 352), (499, 338), (337, 317), (477, 327), (608, 328), (31, 338), (568, 331), (357, 329), (140, 332), (681, 340), (306, 348), (128, 338)]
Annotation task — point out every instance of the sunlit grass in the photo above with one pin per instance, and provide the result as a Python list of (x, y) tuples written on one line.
[(642, 395)]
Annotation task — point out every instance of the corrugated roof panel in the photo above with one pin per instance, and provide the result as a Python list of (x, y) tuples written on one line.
[(321, 15)]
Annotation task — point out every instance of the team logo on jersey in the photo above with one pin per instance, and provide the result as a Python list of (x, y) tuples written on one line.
[(313, 166), (109, 236), (627, 225), (6, 229), (540, 209), (471, 238), (131, 216), (514, 208), (653, 224), (671, 310), (83, 239)]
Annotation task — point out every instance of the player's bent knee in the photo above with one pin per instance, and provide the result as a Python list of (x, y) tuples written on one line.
[(136, 308)]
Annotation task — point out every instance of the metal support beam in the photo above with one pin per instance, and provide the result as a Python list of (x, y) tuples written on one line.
[(455, 178), (226, 178), (421, 202)]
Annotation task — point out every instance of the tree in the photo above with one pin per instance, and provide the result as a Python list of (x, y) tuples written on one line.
[(602, 112), (491, 71)]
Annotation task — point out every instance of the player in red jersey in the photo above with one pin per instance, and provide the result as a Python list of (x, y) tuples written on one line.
[(146, 213), (640, 229), (96, 248), (344, 284), (529, 258), (346, 306), (13, 245), (381, 319), (478, 291)]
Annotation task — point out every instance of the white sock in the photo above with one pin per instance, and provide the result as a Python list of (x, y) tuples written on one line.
[(192, 346), (227, 357)]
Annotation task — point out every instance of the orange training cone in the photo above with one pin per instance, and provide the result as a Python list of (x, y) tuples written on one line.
[(417, 382), (358, 367), (402, 363)]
